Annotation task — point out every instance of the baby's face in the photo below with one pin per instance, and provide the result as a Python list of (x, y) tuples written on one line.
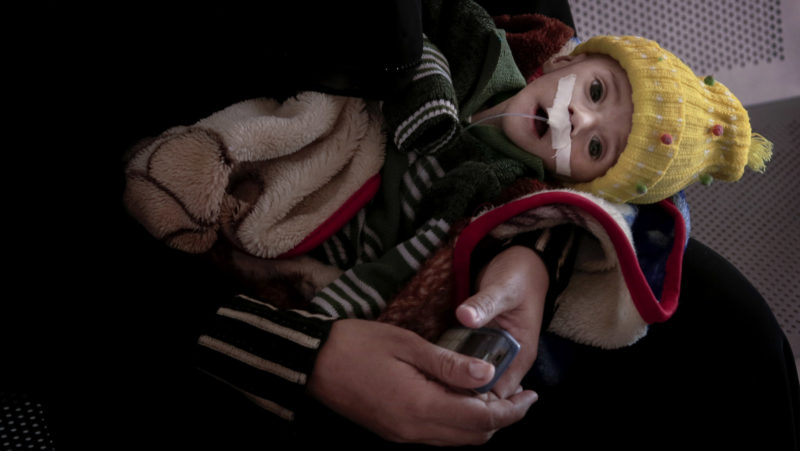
[(600, 111)]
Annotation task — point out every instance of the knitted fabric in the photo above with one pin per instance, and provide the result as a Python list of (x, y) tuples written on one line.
[(436, 172), (466, 64), (533, 38), (685, 128), (425, 304)]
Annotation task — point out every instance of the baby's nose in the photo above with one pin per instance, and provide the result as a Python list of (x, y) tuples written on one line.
[(571, 121), (580, 118)]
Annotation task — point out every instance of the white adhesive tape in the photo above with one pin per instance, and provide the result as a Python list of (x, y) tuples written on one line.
[(560, 124)]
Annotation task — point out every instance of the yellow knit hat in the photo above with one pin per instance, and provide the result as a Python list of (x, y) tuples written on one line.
[(685, 128)]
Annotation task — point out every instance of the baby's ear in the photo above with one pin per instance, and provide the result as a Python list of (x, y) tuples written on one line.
[(561, 61)]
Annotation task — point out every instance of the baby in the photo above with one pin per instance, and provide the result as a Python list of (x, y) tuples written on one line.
[(618, 117)]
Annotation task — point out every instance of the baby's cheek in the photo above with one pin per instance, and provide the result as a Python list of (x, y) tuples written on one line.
[(587, 169), (582, 170)]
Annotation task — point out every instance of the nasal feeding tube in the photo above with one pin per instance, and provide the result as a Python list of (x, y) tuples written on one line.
[(559, 121), (561, 125)]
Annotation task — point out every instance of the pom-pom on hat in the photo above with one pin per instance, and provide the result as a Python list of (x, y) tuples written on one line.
[(685, 128)]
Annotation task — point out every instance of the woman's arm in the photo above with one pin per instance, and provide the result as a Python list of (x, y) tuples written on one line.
[(511, 291), (385, 378)]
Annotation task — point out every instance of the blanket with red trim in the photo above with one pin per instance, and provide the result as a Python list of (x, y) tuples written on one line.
[(627, 274), (270, 177)]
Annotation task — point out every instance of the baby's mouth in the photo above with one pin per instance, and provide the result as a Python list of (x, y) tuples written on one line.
[(541, 126)]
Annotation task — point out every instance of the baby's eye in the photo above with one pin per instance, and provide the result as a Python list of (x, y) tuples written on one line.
[(596, 91), (595, 149)]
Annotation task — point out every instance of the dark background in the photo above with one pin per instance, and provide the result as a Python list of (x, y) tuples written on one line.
[(99, 320)]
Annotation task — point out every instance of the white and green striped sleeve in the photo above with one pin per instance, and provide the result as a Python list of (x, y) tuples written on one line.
[(364, 290)]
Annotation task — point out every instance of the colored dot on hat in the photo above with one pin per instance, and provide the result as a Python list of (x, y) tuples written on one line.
[(666, 138), (709, 80), (717, 130), (641, 188), (706, 179)]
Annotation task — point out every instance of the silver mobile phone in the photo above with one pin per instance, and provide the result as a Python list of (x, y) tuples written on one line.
[(495, 346)]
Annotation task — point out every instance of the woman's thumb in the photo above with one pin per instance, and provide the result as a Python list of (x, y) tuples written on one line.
[(454, 369), (480, 308)]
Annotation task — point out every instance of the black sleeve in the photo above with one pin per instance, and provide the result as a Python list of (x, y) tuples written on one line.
[(264, 353)]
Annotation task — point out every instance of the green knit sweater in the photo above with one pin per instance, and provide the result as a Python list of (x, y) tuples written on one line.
[(436, 171)]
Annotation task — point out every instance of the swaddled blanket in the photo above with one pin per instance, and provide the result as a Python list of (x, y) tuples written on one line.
[(264, 174), (618, 287)]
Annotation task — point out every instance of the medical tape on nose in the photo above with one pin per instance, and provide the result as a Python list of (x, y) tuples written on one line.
[(560, 124)]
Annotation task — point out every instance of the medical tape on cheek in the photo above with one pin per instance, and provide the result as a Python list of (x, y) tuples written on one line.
[(560, 124)]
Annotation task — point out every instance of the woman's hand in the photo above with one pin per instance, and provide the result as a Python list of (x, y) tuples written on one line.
[(511, 295), (400, 386)]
